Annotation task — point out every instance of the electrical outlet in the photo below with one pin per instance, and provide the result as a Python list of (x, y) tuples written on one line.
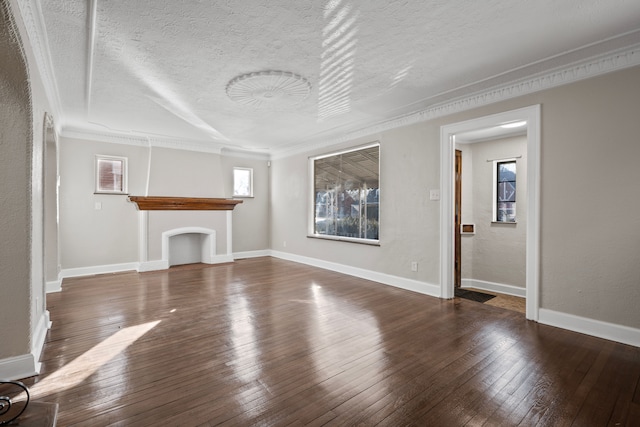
[(414, 265), (284, 244)]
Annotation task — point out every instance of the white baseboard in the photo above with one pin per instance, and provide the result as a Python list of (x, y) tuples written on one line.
[(152, 266), (40, 334), (161, 264), (596, 328), (19, 367), (252, 254), (27, 365), (386, 279), (54, 286), (494, 287), (221, 259), (98, 269)]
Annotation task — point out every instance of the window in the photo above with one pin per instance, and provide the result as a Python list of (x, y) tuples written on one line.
[(505, 191), (111, 175), (242, 182), (346, 195)]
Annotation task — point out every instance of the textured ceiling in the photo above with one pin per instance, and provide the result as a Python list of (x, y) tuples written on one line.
[(161, 68)]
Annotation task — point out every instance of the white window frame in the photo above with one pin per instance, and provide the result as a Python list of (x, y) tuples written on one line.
[(494, 199), (311, 230), (125, 174), (250, 192)]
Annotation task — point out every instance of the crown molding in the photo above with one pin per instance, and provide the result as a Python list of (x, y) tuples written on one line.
[(245, 154), (110, 137), (30, 12), (188, 145), (579, 70), (141, 140), (32, 18)]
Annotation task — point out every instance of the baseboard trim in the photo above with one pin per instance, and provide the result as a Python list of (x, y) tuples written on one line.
[(221, 259), (27, 365), (251, 254), (53, 286), (386, 279), (40, 335), (99, 269), (596, 328), (152, 266), (19, 367), (494, 287)]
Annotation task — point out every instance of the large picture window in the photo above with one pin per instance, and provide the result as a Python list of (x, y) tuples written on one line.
[(346, 194)]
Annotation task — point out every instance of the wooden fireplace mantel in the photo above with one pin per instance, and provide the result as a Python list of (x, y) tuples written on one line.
[(163, 203)]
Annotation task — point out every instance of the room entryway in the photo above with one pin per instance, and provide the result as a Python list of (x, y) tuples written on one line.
[(504, 214)]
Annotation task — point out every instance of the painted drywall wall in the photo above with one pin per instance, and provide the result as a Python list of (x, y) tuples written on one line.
[(590, 245), (251, 219), (23, 104), (409, 221), (92, 237), (590, 257), (185, 174), (15, 182), (496, 252), (97, 229)]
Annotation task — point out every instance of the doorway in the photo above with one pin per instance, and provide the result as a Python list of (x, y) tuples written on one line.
[(531, 115)]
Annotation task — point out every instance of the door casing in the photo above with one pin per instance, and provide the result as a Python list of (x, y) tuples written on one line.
[(531, 115)]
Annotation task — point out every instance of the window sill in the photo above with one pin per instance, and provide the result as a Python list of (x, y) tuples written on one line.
[(368, 242), (115, 193), (504, 222)]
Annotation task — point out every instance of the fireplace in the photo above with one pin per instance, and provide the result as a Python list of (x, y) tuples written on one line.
[(188, 245), (180, 230)]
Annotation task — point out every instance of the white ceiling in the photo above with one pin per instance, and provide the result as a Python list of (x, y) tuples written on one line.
[(161, 68)]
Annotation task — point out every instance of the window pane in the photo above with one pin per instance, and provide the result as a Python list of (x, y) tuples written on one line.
[(347, 194), (242, 182), (506, 171), (506, 191), (110, 175)]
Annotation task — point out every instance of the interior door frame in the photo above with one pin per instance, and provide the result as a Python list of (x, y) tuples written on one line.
[(457, 213), (447, 160)]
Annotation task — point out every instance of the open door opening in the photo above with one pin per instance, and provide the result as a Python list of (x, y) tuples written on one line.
[(452, 221)]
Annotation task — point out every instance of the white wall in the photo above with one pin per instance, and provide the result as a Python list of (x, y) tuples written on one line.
[(590, 229), (95, 237), (251, 219), (109, 236), (409, 221), (15, 181), (496, 252), (23, 104)]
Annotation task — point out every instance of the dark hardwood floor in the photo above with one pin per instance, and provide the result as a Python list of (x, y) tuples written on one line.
[(270, 342)]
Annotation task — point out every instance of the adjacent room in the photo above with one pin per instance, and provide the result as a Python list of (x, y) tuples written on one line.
[(329, 212)]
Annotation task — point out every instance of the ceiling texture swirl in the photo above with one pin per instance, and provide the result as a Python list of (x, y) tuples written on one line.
[(270, 76)]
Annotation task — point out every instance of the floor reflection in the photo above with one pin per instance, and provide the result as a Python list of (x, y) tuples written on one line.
[(89, 363)]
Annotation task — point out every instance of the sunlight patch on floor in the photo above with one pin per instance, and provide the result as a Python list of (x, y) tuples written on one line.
[(89, 362)]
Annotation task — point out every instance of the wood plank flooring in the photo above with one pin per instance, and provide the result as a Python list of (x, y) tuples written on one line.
[(274, 343)]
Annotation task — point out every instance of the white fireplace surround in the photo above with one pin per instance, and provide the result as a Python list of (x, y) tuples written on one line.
[(208, 245)]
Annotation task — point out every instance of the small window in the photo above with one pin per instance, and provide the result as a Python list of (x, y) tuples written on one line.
[(242, 182), (111, 175), (346, 195), (505, 191)]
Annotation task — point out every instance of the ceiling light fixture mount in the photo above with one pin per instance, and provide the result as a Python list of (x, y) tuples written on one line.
[(268, 89)]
